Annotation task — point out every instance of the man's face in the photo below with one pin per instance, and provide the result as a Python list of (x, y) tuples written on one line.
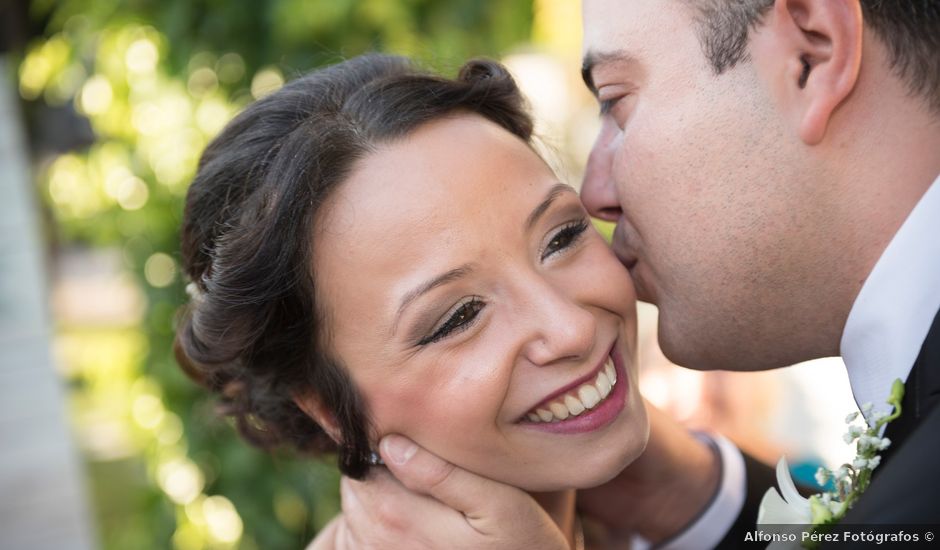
[(714, 212)]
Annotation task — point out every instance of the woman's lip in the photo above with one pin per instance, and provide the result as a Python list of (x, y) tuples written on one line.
[(603, 414), (568, 387)]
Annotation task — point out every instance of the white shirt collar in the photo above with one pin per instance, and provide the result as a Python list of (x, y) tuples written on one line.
[(893, 312)]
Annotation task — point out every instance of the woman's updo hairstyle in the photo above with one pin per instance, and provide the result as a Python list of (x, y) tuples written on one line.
[(252, 332)]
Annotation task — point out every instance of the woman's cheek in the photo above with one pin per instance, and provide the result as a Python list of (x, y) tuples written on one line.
[(614, 278), (384, 403), (424, 409)]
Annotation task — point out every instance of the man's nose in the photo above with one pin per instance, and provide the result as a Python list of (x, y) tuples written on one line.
[(598, 192)]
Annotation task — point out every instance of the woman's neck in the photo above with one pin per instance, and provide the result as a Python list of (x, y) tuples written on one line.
[(560, 506)]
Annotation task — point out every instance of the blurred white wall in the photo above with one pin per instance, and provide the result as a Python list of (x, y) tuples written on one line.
[(41, 480)]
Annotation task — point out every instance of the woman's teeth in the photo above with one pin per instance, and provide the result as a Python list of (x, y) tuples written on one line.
[(579, 400)]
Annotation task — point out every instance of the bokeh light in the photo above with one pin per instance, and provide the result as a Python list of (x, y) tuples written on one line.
[(142, 56), (265, 81), (160, 270)]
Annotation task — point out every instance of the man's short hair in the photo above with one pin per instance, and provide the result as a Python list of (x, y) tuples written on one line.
[(909, 28)]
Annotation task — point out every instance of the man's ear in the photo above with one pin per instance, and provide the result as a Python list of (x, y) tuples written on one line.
[(311, 404), (814, 51)]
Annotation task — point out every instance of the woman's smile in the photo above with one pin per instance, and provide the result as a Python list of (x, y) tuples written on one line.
[(587, 404)]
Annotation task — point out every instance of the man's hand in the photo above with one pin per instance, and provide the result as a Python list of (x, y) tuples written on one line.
[(662, 491), (435, 505)]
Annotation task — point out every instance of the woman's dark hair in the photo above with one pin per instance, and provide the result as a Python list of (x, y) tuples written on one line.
[(253, 332)]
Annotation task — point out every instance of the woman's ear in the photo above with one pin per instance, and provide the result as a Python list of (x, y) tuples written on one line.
[(813, 50), (311, 404)]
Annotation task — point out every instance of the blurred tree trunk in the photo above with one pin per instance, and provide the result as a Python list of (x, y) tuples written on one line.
[(43, 502)]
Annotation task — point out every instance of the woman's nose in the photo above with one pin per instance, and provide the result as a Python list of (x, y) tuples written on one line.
[(560, 329), (598, 190)]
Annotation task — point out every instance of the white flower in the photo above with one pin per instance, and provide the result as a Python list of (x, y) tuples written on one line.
[(193, 291), (788, 507), (822, 476), (785, 507), (854, 432), (876, 417)]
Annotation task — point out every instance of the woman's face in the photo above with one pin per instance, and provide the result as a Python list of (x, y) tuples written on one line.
[(478, 312)]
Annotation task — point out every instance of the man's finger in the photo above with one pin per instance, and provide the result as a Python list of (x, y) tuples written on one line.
[(424, 472), (384, 500)]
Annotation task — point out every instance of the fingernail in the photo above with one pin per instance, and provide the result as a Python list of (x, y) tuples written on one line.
[(398, 449)]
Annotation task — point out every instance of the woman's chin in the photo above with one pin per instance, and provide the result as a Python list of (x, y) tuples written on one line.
[(610, 459), (603, 473), (585, 474), (593, 463)]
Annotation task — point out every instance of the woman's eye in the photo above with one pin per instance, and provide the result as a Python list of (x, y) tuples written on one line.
[(565, 237), (460, 319)]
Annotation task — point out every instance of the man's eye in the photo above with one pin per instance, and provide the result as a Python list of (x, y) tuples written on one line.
[(565, 237), (617, 107), (460, 319), (607, 105)]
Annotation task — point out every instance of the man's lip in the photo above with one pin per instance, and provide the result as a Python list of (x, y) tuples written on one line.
[(628, 259), (628, 262), (575, 384)]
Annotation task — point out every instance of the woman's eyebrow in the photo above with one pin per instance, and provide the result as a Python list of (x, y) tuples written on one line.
[(452, 275), (429, 285), (543, 206)]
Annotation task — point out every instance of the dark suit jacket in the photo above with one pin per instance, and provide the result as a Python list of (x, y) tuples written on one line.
[(905, 488)]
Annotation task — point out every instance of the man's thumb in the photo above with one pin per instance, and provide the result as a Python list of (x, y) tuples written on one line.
[(424, 472)]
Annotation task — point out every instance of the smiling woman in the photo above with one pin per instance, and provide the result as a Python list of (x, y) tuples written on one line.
[(379, 250)]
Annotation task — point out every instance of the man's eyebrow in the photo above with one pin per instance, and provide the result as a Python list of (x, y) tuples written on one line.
[(429, 285), (593, 59), (543, 206)]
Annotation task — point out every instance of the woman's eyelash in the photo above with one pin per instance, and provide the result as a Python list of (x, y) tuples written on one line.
[(461, 319), (466, 313), (565, 237)]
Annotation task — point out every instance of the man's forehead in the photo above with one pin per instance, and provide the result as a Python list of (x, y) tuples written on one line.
[(629, 24), (633, 33)]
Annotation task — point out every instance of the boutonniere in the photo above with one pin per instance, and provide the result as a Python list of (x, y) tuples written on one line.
[(849, 481)]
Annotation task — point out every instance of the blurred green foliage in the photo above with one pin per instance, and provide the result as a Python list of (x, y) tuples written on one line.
[(156, 80)]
